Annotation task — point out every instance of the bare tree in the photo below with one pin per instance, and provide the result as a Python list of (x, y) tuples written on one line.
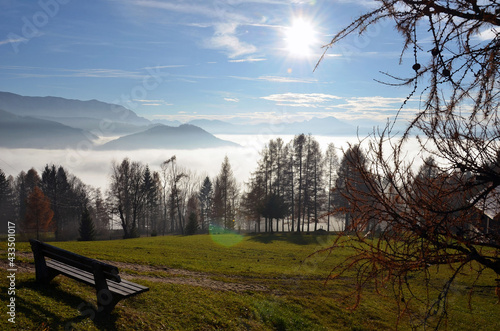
[(424, 221), (99, 211), (225, 194), (299, 153), (332, 164), (128, 195), (176, 193)]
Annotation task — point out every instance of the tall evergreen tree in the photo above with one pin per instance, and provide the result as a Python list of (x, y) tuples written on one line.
[(150, 195), (87, 227), (7, 203), (192, 224), (68, 197), (206, 202), (25, 183)]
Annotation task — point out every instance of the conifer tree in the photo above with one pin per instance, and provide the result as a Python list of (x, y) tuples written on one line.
[(206, 198), (6, 201), (192, 225), (87, 228)]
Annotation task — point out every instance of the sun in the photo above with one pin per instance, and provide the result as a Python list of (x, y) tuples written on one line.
[(300, 37)]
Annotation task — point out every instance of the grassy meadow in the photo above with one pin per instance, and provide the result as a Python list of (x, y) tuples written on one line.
[(231, 282)]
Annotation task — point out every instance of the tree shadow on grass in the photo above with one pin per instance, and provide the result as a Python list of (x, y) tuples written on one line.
[(46, 316), (294, 238)]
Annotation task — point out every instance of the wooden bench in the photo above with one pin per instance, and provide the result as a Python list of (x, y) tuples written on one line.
[(110, 288)]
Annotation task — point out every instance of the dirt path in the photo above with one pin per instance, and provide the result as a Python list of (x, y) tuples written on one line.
[(159, 274), (182, 276)]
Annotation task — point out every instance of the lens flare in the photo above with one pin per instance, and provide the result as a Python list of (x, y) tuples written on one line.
[(300, 37), (225, 237)]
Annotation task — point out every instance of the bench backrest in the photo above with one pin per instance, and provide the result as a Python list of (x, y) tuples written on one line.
[(75, 260)]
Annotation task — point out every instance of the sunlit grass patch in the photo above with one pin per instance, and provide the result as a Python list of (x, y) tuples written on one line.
[(264, 282)]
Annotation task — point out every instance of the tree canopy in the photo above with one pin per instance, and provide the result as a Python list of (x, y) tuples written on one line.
[(38, 213)]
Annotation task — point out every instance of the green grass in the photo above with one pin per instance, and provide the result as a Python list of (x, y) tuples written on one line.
[(295, 296)]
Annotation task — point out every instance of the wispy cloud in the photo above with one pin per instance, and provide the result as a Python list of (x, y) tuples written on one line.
[(306, 100), (210, 9), (89, 73), (45, 72), (232, 99), (277, 79), (364, 3), (223, 16), (12, 41), (166, 66), (152, 103), (225, 39), (374, 108), (371, 103), (248, 60)]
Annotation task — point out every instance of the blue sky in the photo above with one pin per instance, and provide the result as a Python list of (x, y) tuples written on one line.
[(233, 60)]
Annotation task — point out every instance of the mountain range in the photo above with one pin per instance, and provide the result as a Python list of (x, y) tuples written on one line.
[(58, 123)]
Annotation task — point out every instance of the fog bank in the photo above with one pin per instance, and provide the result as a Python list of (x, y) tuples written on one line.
[(94, 167)]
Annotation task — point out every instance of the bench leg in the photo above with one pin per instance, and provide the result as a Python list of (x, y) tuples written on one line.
[(106, 302), (43, 273)]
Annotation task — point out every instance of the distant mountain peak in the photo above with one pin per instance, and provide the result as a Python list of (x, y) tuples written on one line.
[(185, 136)]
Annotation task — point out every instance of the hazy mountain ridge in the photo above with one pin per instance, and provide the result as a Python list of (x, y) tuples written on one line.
[(29, 132), (101, 127), (327, 126), (161, 136), (56, 107)]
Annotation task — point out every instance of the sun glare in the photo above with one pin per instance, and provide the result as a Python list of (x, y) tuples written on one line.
[(300, 37)]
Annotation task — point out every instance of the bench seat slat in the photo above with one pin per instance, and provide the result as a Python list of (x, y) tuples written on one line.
[(84, 264), (83, 276), (133, 286), (67, 270), (124, 288)]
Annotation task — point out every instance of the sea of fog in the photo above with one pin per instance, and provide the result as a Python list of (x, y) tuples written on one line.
[(94, 167)]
